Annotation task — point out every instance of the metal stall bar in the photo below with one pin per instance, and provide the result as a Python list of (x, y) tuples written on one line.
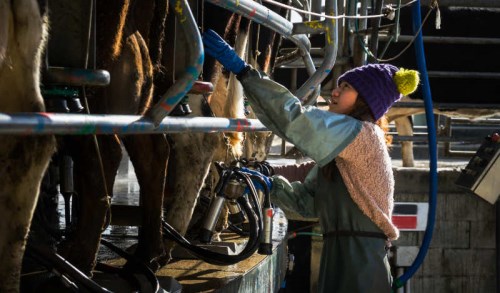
[(454, 74), (463, 3), (447, 40), (274, 21), (195, 64), (330, 29), (78, 124)]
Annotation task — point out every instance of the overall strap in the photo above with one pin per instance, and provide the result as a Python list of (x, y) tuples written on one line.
[(355, 234)]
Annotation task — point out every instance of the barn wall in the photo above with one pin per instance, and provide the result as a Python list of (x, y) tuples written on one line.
[(461, 257), (459, 72)]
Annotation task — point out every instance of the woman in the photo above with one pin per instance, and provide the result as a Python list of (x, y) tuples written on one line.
[(351, 187)]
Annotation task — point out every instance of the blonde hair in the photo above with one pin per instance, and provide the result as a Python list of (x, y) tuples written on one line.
[(383, 123)]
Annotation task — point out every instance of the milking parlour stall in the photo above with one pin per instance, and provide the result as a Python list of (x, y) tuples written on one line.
[(135, 156)]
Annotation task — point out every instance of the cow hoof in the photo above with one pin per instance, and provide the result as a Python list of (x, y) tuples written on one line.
[(74, 255), (154, 263), (163, 260), (131, 249)]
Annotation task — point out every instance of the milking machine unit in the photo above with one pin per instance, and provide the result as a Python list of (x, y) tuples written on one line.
[(237, 186), (230, 188)]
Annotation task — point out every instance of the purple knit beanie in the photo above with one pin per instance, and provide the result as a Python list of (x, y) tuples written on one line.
[(374, 82)]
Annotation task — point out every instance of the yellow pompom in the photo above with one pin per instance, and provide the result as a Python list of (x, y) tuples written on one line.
[(406, 81)]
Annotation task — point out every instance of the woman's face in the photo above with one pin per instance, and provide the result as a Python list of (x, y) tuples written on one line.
[(343, 99)]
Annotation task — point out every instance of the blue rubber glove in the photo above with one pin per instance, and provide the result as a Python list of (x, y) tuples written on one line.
[(216, 47), (257, 183)]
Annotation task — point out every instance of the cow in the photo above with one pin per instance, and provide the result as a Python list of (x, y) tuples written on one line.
[(192, 155), (123, 50), (460, 64), (23, 159), (129, 47), (126, 47)]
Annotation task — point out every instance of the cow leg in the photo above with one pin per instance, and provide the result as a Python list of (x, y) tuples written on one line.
[(257, 144), (189, 162), (149, 155), (23, 159), (404, 127), (93, 202), (22, 164), (124, 54), (125, 93)]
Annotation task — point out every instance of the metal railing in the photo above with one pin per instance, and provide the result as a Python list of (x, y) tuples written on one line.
[(156, 120)]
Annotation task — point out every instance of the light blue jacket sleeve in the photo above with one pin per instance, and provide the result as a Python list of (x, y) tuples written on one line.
[(296, 199), (320, 134)]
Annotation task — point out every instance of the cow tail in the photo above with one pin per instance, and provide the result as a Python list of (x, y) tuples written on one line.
[(4, 29), (157, 32)]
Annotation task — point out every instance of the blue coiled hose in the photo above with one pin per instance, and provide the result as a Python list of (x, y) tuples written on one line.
[(431, 134)]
